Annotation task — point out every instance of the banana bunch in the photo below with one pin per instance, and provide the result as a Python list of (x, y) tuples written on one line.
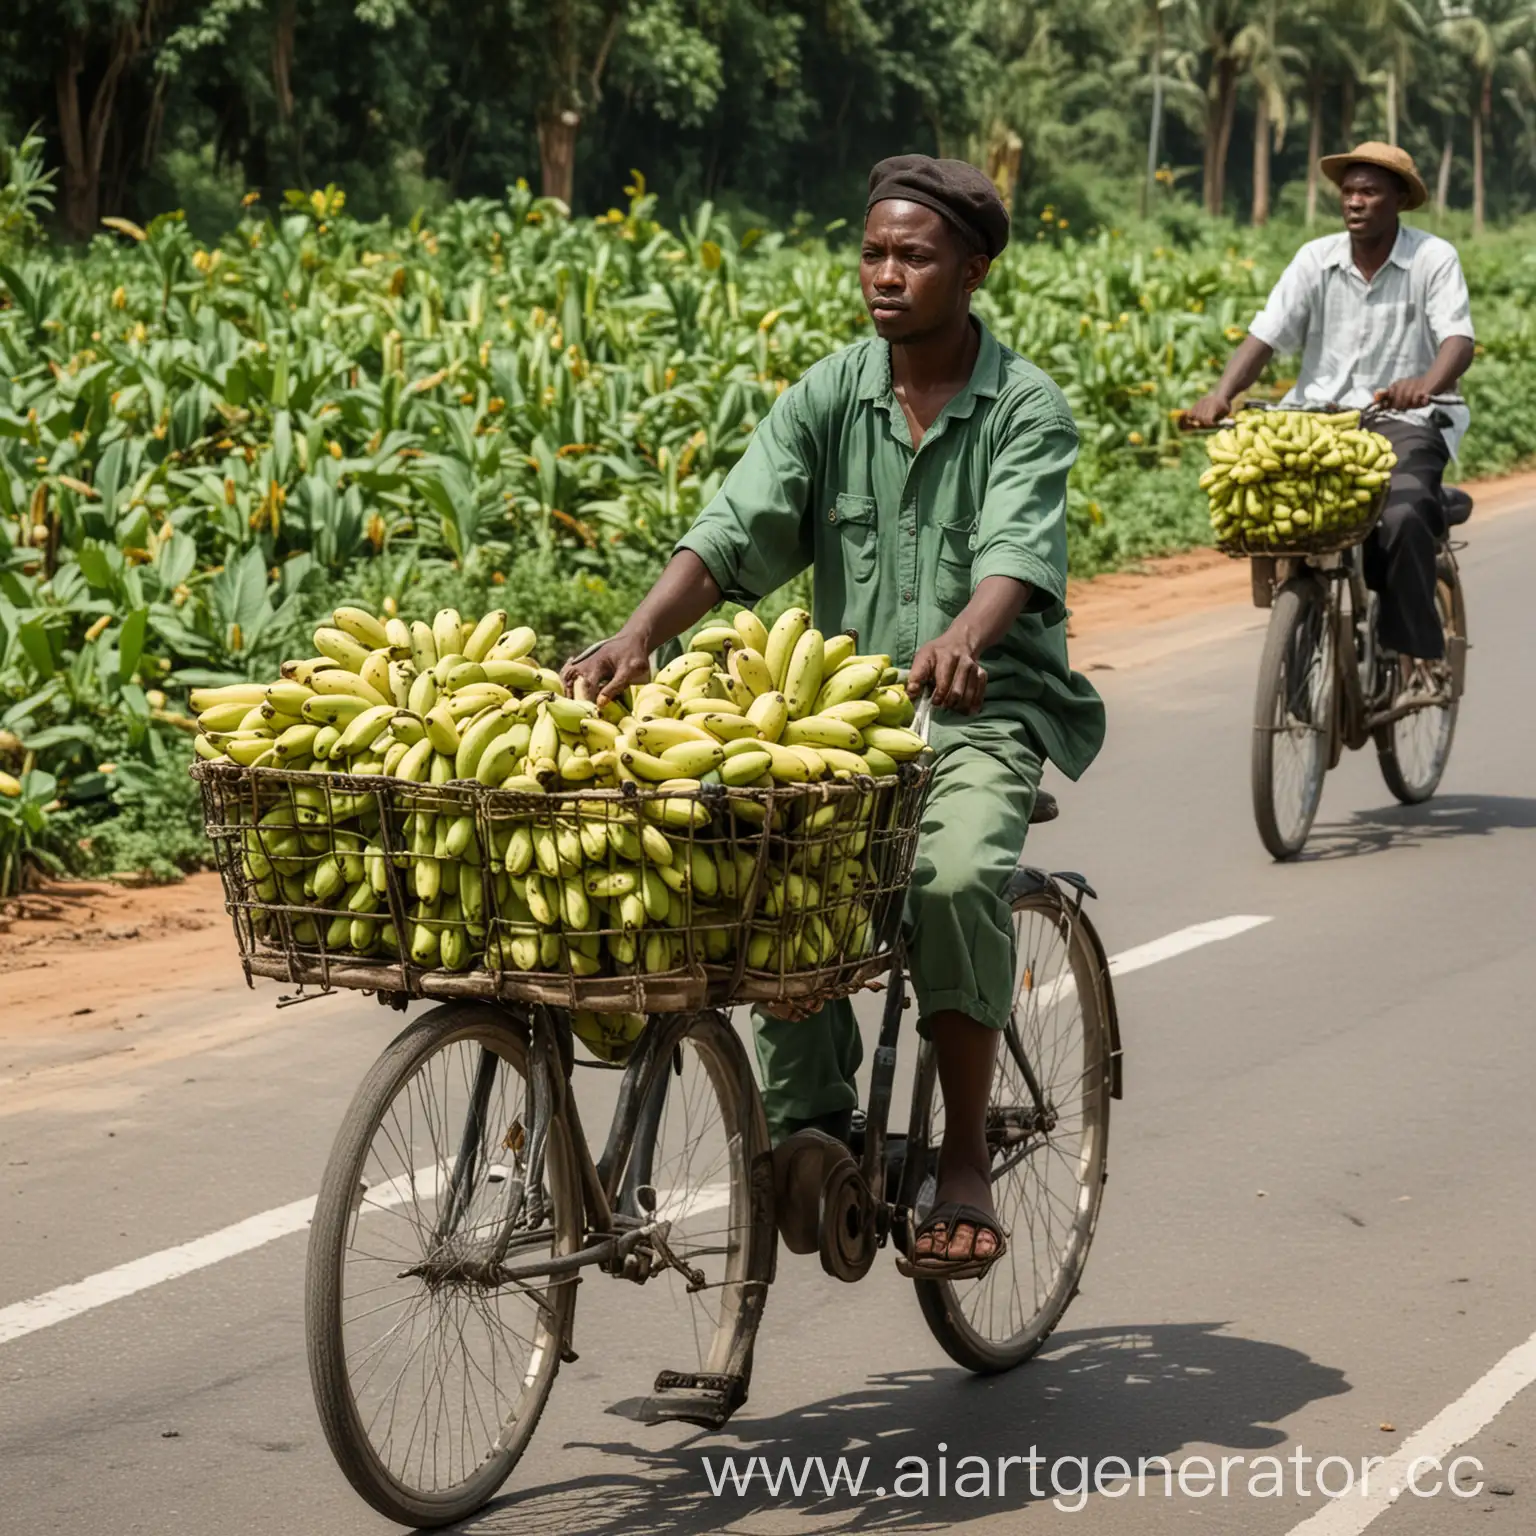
[(1287, 477), (549, 880)]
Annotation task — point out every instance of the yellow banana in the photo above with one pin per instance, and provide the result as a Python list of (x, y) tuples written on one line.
[(510, 674), (599, 735), (782, 640), (398, 633), (515, 644), (751, 669), (423, 647), (338, 710), (497, 760), (717, 638), (842, 761), (769, 712), (753, 631), (895, 741), (837, 650), (423, 694), (442, 730), (448, 633), (690, 661), (477, 736), (225, 717), (363, 730), (338, 683), (484, 635), (857, 712), (341, 648), (464, 674), (247, 694), (657, 735), (288, 698), (646, 765), (785, 764), (728, 727), (416, 763), (733, 689), (822, 731), (692, 759), (745, 767), (362, 627), (802, 677), (851, 681), (896, 708), (568, 714)]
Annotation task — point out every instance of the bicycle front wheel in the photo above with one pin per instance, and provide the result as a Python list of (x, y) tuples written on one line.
[(697, 1161), (1293, 717), (429, 1373), (1048, 1135), (1414, 750)]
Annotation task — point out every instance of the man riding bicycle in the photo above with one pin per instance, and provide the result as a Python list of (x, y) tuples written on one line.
[(922, 474), (1381, 317)]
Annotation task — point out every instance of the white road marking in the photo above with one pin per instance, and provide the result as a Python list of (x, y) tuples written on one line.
[(1181, 942), (68, 1301), (1454, 1425)]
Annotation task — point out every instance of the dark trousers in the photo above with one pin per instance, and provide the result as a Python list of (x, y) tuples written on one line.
[(1400, 554)]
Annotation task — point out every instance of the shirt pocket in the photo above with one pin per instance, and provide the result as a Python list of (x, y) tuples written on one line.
[(952, 567), (854, 521)]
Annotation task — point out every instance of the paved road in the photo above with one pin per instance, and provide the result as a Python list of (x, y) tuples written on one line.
[(1317, 1236)]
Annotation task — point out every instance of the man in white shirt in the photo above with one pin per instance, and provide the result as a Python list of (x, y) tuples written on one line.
[(1380, 316)]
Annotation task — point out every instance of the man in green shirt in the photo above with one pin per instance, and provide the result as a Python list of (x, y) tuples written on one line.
[(922, 474)]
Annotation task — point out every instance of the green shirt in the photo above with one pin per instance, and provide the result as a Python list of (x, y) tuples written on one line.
[(899, 539)]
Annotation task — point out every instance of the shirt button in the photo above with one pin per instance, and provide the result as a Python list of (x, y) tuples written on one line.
[(906, 594), (831, 517)]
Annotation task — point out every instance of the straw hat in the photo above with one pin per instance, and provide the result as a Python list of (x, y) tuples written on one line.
[(1389, 157)]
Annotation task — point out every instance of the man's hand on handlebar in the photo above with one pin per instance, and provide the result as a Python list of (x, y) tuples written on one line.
[(1209, 411), (949, 666), (611, 668), (1405, 395)]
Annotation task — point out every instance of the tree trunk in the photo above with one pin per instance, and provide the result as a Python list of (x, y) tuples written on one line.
[(1479, 111), (1314, 147), (282, 58), (1155, 133), (1443, 180), (557, 152), (1227, 109), (80, 185), (1347, 113), (1261, 148), (1391, 104)]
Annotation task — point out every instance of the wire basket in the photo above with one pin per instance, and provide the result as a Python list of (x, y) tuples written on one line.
[(1310, 542), (637, 900)]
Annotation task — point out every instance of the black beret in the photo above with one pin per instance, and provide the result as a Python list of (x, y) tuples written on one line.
[(961, 193)]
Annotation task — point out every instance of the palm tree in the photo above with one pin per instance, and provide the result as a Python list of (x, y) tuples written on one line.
[(1488, 36), (1399, 30), (1212, 27)]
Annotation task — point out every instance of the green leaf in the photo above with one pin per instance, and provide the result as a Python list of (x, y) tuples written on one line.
[(34, 641), (130, 643)]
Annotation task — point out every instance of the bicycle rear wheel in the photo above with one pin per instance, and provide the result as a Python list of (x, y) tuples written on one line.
[(1293, 717), (697, 1158), (1048, 1170), (428, 1374), (1414, 750)]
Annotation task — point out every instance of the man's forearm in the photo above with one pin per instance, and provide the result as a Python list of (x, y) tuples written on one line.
[(994, 607), (683, 594), (1451, 361), (1244, 368)]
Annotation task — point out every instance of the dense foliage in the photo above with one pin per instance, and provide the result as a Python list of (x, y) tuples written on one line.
[(203, 447), (767, 105)]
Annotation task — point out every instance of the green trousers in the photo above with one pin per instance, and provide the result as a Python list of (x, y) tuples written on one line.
[(959, 932)]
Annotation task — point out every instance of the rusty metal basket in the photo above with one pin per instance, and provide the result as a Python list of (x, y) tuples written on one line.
[(793, 893)]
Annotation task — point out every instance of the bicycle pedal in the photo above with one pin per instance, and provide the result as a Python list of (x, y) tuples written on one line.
[(691, 1397)]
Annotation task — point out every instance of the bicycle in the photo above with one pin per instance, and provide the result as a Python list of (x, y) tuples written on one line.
[(1326, 682), (461, 1205)]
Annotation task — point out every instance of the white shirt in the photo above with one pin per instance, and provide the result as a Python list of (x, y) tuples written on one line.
[(1356, 337)]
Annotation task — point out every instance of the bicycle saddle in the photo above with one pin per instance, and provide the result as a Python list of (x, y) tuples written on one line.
[(1457, 504)]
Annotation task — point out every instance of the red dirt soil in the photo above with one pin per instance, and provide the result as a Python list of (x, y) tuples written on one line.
[(75, 957)]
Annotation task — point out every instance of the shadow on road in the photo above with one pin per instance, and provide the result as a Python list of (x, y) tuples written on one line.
[(1129, 1393), (1409, 826)]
